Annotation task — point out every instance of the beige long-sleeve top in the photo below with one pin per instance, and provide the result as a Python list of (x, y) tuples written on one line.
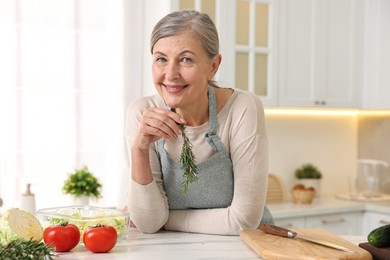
[(241, 127)]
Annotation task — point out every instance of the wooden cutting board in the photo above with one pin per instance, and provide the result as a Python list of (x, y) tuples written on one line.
[(275, 247)]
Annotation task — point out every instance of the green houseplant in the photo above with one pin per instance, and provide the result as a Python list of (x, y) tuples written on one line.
[(308, 171), (82, 183), (310, 176)]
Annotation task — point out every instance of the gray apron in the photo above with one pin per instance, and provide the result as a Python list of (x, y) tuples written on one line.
[(214, 187)]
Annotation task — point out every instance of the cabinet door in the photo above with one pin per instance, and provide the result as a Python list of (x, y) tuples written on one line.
[(319, 52), (341, 224), (254, 55), (373, 220), (376, 90), (298, 222), (296, 53)]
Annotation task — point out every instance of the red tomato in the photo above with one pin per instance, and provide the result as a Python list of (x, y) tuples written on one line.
[(100, 239), (63, 237)]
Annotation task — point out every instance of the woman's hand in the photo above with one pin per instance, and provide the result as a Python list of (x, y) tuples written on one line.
[(157, 123)]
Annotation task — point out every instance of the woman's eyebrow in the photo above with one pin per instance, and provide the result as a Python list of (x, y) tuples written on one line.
[(158, 53), (187, 51), (181, 53)]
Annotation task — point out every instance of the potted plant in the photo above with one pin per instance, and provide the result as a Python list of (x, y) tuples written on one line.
[(82, 185), (310, 176)]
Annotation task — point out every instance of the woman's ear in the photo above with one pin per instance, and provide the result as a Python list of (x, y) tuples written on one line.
[(215, 65)]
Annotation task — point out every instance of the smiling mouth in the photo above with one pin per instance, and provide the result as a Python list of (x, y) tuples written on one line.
[(174, 88)]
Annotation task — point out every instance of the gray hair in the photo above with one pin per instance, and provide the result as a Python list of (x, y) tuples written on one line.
[(200, 23)]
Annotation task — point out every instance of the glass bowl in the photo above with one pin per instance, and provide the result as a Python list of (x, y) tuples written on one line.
[(87, 216)]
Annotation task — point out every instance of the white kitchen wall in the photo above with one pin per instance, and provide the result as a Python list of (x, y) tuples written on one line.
[(327, 141), (374, 143)]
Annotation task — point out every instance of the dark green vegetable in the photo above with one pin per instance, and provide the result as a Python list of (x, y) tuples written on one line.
[(380, 237), (26, 249)]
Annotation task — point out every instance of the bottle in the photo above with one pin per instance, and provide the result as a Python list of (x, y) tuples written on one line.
[(28, 200)]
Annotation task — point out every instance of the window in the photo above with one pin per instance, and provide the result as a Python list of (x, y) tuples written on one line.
[(62, 97)]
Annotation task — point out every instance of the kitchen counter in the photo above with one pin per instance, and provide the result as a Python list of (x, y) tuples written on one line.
[(326, 205), (175, 245), (179, 245), (170, 245)]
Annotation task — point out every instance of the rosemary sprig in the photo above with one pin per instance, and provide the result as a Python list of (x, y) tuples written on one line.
[(187, 161), (26, 249)]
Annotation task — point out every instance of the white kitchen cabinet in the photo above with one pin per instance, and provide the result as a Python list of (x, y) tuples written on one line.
[(349, 223), (373, 220), (304, 53), (291, 223), (320, 49), (376, 90), (341, 224)]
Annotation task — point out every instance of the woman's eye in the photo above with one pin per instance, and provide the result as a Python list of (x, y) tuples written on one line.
[(186, 60), (161, 59)]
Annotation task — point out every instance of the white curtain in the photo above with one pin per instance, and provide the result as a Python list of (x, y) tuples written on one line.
[(63, 96)]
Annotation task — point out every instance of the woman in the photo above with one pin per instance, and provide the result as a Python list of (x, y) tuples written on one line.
[(225, 126)]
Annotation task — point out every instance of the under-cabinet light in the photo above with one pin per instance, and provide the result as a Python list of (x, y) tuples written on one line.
[(330, 112)]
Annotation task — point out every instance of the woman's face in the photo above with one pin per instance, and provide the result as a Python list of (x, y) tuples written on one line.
[(181, 69)]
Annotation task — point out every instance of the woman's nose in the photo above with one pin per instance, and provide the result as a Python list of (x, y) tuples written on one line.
[(172, 71)]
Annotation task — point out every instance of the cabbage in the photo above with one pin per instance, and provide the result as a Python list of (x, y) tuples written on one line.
[(18, 224)]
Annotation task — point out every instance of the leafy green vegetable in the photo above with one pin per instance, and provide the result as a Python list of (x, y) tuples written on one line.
[(21, 235), (18, 224), (119, 223), (26, 249)]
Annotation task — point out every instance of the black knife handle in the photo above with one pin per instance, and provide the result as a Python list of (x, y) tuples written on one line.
[(278, 231)]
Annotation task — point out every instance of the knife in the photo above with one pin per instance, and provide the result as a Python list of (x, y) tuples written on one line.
[(283, 232)]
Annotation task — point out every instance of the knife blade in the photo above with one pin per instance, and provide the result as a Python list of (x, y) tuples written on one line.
[(284, 232)]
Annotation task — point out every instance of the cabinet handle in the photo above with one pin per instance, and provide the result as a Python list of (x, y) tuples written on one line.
[(382, 221), (320, 102), (333, 221), (288, 225)]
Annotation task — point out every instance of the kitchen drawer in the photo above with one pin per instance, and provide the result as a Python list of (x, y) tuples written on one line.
[(341, 224), (291, 222), (373, 220)]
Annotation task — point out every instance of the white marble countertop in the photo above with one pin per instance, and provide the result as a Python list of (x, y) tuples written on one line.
[(170, 245), (326, 205), (176, 245), (179, 245)]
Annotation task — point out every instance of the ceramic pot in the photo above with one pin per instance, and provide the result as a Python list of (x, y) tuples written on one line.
[(80, 201)]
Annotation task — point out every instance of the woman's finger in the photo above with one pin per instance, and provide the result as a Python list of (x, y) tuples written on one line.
[(161, 122)]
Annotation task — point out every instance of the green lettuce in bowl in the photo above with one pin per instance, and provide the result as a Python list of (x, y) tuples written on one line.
[(87, 216)]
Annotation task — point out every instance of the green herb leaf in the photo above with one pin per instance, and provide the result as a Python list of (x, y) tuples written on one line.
[(26, 249), (187, 161)]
